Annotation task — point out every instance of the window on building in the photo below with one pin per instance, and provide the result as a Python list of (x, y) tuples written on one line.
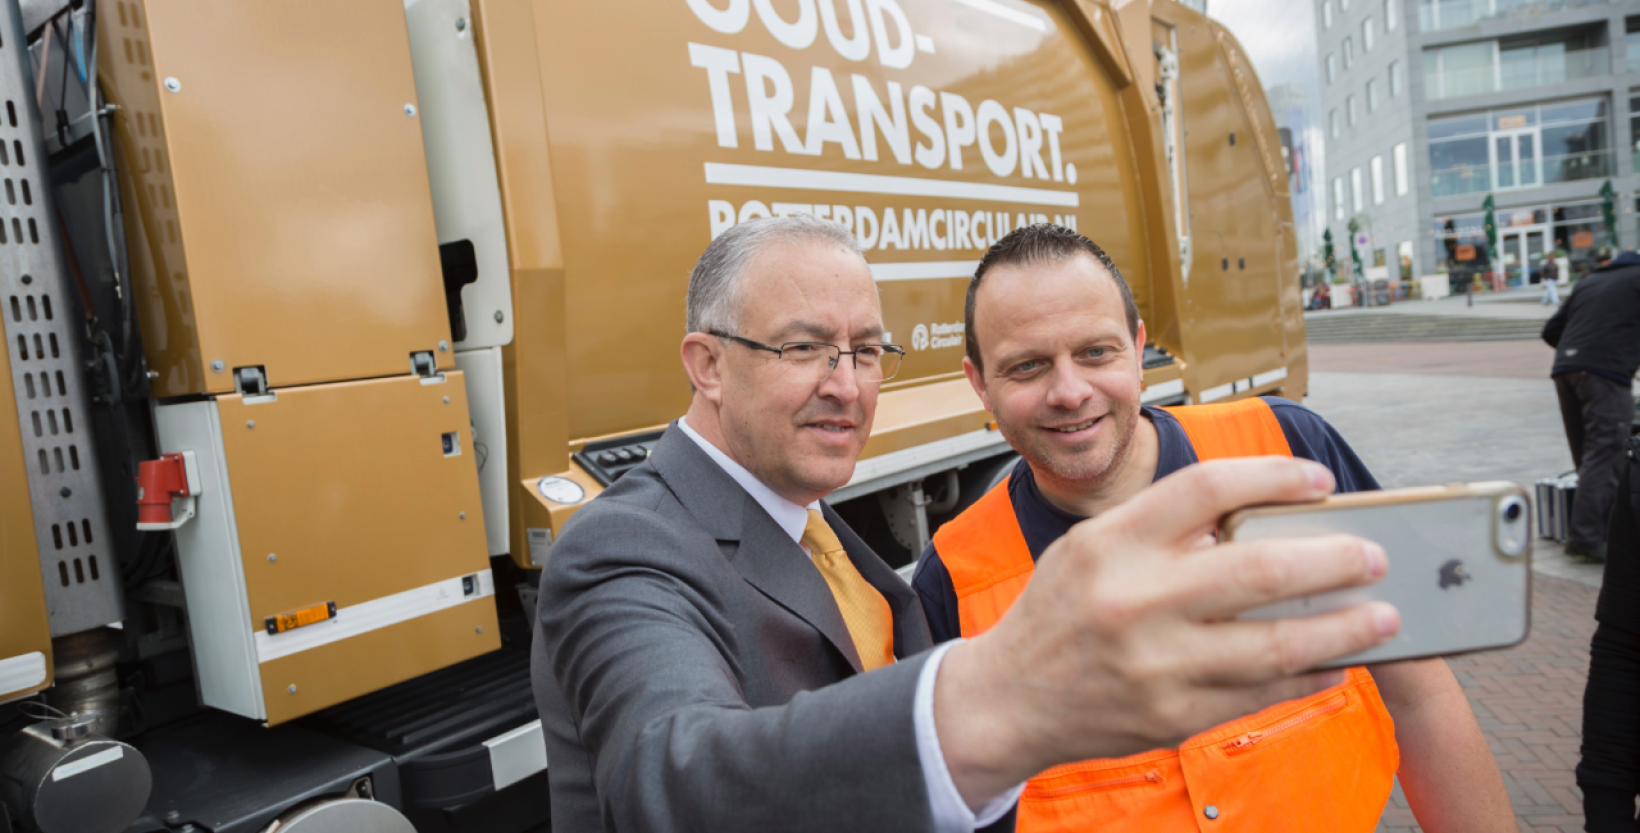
[(1634, 127), (1372, 94), (1394, 78), (1398, 158), (1332, 67), (1528, 234), (1459, 161), (1575, 142), (1631, 40), (1358, 198), (1366, 34), (1349, 53), (1338, 198), (1460, 247), (1343, 5), (1532, 60), (1326, 14), (1434, 15), (1349, 109), (1392, 14), (1580, 233), (1551, 58), (1520, 147), (1376, 169), (1464, 69), (1333, 131)]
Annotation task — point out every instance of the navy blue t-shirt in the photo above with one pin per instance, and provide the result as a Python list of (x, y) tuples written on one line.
[(1308, 435)]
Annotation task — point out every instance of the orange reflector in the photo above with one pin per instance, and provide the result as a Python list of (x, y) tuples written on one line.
[(306, 616)]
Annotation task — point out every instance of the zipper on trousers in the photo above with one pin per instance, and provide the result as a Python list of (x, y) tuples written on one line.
[(1238, 745), (1152, 777)]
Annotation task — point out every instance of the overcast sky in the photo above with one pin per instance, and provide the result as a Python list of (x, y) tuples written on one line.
[(1279, 35)]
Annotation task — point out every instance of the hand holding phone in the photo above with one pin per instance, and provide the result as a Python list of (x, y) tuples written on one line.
[(1459, 563)]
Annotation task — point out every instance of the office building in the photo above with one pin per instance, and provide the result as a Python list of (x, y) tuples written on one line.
[(1292, 109), (1430, 106)]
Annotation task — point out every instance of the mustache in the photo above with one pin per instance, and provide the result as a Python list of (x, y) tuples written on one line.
[(818, 410)]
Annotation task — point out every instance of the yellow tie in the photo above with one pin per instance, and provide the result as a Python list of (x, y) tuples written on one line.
[(866, 613)]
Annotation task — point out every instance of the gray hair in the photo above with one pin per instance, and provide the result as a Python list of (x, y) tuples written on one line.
[(713, 302)]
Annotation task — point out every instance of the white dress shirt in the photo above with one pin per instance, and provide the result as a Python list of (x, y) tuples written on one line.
[(951, 813)]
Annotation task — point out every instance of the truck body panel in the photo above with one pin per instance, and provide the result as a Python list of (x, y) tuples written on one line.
[(655, 133), (292, 229), (25, 632)]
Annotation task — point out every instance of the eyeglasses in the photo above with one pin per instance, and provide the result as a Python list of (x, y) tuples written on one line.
[(873, 363)]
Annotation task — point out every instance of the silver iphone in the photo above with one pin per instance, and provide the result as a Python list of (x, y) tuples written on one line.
[(1460, 563)]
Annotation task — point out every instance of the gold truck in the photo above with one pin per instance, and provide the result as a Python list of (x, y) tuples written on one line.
[(322, 319)]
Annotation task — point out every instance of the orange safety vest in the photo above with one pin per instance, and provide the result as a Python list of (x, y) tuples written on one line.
[(1324, 762)]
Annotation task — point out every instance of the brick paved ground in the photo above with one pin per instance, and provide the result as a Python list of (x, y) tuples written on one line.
[(1529, 700), (1423, 413), (1507, 359)]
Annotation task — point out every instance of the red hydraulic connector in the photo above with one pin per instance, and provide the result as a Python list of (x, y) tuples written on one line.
[(158, 483)]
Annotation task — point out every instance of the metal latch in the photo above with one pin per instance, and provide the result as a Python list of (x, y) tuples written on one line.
[(423, 365), (251, 380)]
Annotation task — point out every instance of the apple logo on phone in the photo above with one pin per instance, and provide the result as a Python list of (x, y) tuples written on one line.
[(1453, 574)]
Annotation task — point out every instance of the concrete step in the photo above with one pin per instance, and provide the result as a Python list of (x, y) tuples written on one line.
[(1368, 327)]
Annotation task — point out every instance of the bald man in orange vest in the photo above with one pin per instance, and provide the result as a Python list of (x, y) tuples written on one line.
[(1055, 346)]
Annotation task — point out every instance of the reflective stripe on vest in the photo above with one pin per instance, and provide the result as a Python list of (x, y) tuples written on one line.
[(1324, 762)]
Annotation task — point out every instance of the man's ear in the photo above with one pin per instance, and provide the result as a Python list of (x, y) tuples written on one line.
[(976, 378), (703, 360), (1139, 347)]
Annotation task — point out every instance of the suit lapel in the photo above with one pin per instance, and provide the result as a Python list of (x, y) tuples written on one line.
[(910, 627), (765, 556), (773, 563)]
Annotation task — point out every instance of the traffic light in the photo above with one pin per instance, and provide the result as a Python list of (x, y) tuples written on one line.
[(1608, 212)]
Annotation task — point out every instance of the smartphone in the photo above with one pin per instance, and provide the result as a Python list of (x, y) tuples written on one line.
[(1460, 563)]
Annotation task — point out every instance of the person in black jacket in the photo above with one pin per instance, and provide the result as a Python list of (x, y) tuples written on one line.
[(1596, 336), (1609, 772)]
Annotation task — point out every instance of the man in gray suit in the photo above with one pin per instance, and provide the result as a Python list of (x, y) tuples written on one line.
[(716, 650)]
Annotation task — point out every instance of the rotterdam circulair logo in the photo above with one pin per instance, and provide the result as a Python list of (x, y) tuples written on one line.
[(1453, 574), (936, 336)]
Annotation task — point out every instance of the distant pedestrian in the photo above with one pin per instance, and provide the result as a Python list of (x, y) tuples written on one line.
[(1596, 336), (1551, 281), (1609, 772), (1322, 299)]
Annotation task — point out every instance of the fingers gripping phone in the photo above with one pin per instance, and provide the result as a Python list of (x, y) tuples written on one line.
[(1460, 567)]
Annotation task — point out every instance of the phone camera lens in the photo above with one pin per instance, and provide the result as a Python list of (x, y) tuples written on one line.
[(1511, 513)]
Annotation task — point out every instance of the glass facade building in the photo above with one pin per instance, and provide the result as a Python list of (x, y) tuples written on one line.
[(1526, 102), (1519, 147)]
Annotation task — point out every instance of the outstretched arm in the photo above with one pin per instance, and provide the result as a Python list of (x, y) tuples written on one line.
[(1126, 639), (1447, 771)]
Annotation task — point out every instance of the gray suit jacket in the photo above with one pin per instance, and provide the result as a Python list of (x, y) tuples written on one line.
[(693, 672)]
